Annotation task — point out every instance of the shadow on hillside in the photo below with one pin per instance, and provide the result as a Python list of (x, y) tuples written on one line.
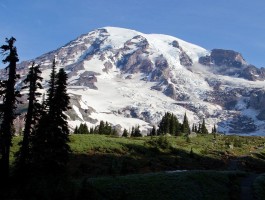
[(135, 158)]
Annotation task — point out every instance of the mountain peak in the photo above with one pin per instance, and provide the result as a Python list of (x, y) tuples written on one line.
[(128, 78)]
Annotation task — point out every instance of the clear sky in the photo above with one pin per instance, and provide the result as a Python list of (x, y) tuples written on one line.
[(44, 25)]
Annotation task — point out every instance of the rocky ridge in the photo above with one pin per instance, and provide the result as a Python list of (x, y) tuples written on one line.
[(129, 78)]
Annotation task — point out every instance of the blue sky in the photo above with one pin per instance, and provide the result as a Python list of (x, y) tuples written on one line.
[(44, 25)]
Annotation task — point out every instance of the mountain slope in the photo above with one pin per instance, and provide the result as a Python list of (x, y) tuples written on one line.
[(127, 78)]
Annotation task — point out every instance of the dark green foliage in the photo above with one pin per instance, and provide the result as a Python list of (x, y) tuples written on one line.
[(136, 132), (83, 129), (76, 130), (185, 128), (153, 131), (9, 96), (125, 133), (50, 141), (203, 128), (160, 142), (214, 129), (169, 124), (32, 117), (132, 131)]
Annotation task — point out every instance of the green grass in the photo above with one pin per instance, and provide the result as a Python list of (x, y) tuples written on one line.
[(204, 185), (101, 155), (108, 167)]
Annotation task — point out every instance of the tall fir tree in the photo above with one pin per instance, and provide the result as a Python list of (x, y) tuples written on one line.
[(169, 124), (9, 96), (203, 127), (153, 131), (50, 142), (185, 125), (33, 83), (61, 101), (125, 133)]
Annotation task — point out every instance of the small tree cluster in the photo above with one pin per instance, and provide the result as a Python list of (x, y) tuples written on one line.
[(201, 128), (104, 128), (136, 132), (169, 124), (82, 129)]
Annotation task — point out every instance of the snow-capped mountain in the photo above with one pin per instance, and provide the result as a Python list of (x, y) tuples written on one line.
[(128, 78)]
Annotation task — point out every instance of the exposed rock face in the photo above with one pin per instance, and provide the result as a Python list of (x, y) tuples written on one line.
[(231, 63), (130, 78)]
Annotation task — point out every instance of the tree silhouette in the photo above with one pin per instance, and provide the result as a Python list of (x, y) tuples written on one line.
[(185, 125), (32, 82), (9, 95), (50, 142)]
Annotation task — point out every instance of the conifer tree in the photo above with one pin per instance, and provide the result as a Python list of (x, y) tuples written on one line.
[(185, 125), (203, 127), (214, 129), (50, 142), (137, 132), (125, 133), (153, 131), (33, 83), (101, 127), (76, 130), (132, 132), (9, 96)]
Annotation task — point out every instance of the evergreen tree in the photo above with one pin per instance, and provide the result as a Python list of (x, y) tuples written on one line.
[(200, 128), (49, 103), (125, 133), (91, 130), (76, 131), (83, 129), (33, 83), (203, 127), (108, 129), (132, 132), (137, 132), (101, 127), (50, 142), (185, 125), (9, 96), (153, 131), (169, 124), (214, 129)]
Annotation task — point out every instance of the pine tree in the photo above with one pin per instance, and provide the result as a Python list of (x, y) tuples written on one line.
[(199, 128), (9, 95), (203, 127), (125, 133), (153, 131), (214, 129), (137, 132), (101, 127), (86, 131), (50, 142), (91, 130), (76, 131), (185, 125), (132, 132), (33, 83), (61, 100), (51, 91)]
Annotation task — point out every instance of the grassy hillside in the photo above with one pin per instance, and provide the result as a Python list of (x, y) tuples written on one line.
[(97, 155), (107, 167), (100, 155)]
